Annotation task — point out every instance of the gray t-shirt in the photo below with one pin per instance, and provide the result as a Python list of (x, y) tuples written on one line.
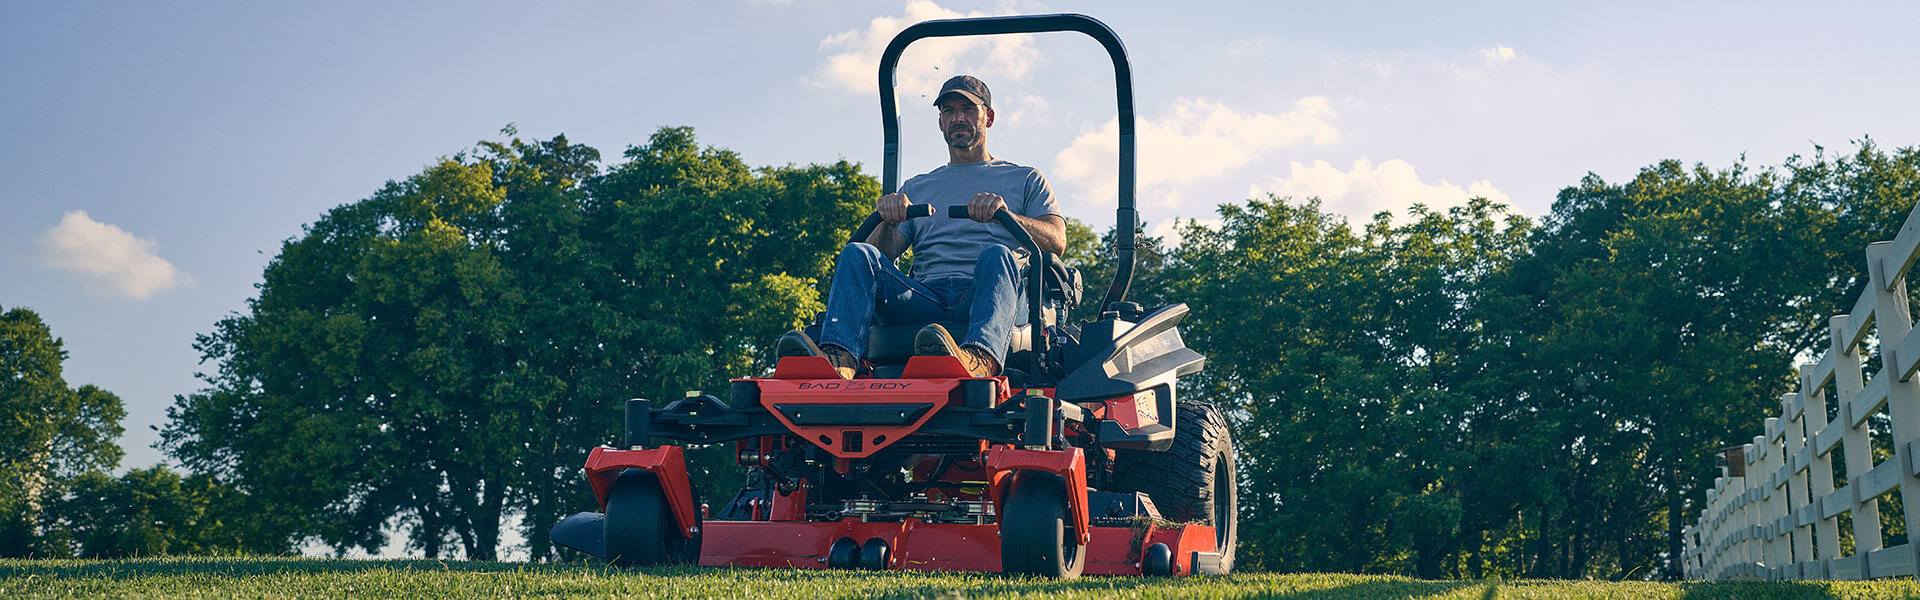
[(944, 247)]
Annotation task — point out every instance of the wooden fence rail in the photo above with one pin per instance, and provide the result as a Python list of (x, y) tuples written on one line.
[(1775, 512)]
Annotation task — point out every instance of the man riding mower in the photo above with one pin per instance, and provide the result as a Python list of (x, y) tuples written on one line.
[(1046, 447)]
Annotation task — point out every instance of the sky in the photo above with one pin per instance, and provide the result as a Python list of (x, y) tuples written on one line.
[(154, 156)]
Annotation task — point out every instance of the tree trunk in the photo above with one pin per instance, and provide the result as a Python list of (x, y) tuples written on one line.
[(1426, 561), (429, 533), (1676, 506), (461, 501), (540, 517), (1541, 554), (1477, 556), (1578, 553), (486, 522)]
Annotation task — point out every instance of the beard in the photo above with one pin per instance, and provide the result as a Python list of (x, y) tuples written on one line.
[(964, 138)]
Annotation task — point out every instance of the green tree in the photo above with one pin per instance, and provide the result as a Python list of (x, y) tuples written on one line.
[(155, 512), (1343, 353), (53, 433), (1096, 257), (447, 350), (712, 260), (1655, 321)]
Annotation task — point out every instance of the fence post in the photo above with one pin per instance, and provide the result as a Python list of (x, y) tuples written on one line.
[(1889, 289), (1709, 537), (1717, 536), (1799, 502), (1857, 447), (1826, 531), (1754, 554), (1731, 548), (1779, 539)]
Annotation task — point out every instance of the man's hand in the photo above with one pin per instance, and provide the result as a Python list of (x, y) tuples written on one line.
[(983, 206), (892, 208)]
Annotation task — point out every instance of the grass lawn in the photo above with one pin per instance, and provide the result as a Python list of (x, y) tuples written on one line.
[(314, 578)]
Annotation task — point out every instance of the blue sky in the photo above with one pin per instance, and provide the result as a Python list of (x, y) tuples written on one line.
[(157, 154)]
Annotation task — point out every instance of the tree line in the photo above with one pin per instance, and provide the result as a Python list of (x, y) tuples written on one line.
[(1442, 393)]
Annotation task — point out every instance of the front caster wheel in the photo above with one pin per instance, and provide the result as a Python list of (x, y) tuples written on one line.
[(640, 529), (1158, 561), (1036, 533), (844, 554), (873, 555)]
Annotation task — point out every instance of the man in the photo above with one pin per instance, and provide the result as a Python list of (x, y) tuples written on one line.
[(963, 270)]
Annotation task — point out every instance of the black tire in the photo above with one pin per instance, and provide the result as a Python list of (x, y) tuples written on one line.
[(1036, 531), (843, 554), (640, 529), (1195, 480), (873, 555), (1157, 561)]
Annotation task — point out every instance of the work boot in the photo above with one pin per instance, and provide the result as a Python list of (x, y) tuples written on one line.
[(933, 340), (796, 343)]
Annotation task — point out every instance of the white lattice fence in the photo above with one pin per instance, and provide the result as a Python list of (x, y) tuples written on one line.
[(1775, 513)]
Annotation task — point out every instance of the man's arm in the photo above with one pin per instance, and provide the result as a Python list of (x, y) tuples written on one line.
[(887, 237), (1049, 231)]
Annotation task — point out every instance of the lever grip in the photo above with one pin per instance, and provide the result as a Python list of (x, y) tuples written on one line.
[(914, 211)]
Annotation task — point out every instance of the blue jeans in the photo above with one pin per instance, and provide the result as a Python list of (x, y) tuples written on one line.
[(868, 289)]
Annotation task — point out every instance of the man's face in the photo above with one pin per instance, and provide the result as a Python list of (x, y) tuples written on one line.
[(963, 122)]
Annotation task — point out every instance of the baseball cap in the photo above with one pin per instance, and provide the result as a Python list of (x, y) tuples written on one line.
[(969, 86)]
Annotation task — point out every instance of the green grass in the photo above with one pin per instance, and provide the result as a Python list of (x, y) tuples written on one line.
[(313, 578)]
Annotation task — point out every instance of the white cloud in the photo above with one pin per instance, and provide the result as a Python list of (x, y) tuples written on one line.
[(1028, 109), (1367, 189), (855, 58), (1447, 112), (108, 258), (1498, 53), (1195, 140), (1170, 231)]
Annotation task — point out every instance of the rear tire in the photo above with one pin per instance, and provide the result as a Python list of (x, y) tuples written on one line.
[(640, 528), (1195, 480), (1036, 531)]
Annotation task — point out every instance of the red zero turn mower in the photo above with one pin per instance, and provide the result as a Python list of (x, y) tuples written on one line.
[(1080, 459)]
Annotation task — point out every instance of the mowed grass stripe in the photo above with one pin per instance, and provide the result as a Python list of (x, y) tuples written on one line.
[(409, 579)]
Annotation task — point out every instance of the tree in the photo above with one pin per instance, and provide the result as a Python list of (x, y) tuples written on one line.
[(447, 350), (1343, 353), (157, 512), (53, 433), (1656, 321), (1463, 394)]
